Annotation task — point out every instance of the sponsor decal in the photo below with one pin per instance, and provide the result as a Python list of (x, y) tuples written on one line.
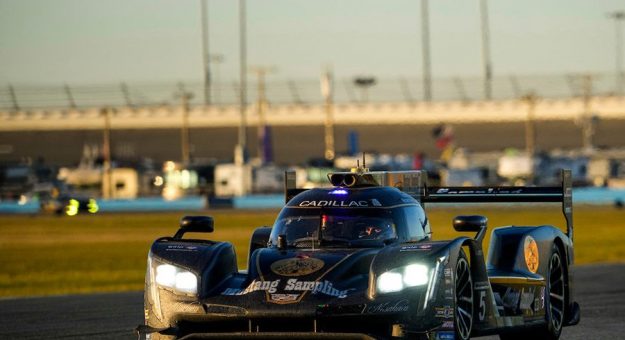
[(448, 325), (443, 312), (376, 203), (387, 307), (292, 285), (416, 247), (448, 272), (284, 297), (324, 287), (268, 286), (339, 204), (299, 266), (445, 336), (181, 248), (531, 254)]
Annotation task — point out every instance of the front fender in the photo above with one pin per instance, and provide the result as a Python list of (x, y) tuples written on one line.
[(427, 253)]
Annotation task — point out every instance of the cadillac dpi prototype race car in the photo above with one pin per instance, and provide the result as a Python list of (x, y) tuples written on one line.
[(357, 261)]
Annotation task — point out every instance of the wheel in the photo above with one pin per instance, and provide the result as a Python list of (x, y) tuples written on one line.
[(463, 307), (555, 302), (556, 293)]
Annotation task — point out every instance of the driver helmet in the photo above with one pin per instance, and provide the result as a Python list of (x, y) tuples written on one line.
[(373, 231)]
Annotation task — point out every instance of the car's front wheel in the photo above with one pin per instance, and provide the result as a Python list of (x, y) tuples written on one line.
[(463, 307)]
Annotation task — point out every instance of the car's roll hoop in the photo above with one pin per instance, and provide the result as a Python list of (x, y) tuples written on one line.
[(414, 183)]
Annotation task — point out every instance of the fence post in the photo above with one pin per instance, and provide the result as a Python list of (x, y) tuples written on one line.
[(405, 89), (16, 106), (460, 88), (70, 97), (348, 91), (516, 87), (126, 94), (237, 93), (294, 93), (570, 81)]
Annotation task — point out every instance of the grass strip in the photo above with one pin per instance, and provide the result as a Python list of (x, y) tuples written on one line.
[(46, 255)]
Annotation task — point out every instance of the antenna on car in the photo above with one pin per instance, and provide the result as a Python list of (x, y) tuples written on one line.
[(360, 169)]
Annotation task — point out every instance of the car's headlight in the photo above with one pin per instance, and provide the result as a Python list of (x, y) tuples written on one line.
[(399, 278), (176, 278)]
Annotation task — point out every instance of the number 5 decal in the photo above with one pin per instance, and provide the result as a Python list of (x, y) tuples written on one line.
[(482, 312)]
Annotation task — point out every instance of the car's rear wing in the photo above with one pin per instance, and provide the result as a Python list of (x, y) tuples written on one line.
[(414, 183), (507, 194)]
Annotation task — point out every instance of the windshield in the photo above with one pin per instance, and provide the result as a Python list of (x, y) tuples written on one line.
[(318, 227)]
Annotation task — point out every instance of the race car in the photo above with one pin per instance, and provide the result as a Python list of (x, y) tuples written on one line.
[(357, 261)]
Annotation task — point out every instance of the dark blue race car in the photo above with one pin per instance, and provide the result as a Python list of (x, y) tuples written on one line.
[(357, 261)]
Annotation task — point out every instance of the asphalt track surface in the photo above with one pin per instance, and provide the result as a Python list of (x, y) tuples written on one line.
[(600, 292)]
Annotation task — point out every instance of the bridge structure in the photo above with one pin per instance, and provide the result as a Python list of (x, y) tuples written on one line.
[(566, 112)]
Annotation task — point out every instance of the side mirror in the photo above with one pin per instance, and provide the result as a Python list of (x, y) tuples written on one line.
[(476, 223), (198, 224), (260, 238)]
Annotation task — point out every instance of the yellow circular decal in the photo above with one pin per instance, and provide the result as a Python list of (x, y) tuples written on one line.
[(297, 266), (531, 254)]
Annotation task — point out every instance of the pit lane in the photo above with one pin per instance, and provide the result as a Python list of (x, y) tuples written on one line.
[(599, 288)]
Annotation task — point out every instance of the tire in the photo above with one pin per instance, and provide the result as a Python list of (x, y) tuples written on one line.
[(556, 295), (555, 302), (463, 298)]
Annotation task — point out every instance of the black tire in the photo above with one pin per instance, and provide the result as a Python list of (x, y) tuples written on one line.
[(463, 298), (555, 302)]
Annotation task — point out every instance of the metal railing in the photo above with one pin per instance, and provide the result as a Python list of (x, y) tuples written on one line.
[(303, 91)]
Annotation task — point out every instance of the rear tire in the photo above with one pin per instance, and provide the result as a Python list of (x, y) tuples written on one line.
[(555, 302), (463, 301)]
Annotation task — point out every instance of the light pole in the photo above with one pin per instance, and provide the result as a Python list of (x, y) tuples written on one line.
[(588, 119), (486, 61), (205, 51), (241, 147), (530, 128), (327, 91), (107, 184), (261, 72), (425, 47), (185, 96), (618, 17), (216, 59)]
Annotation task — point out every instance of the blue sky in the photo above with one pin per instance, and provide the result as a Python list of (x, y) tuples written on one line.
[(87, 41)]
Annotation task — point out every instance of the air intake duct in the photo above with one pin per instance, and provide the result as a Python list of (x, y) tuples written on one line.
[(350, 180)]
